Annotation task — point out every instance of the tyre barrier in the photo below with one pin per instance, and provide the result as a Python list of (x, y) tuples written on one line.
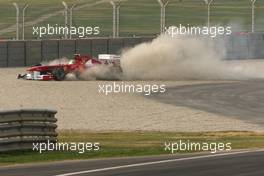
[(19, 129)]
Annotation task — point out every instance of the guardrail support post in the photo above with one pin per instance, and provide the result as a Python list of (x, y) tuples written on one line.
[(66, 9), (208, 3), (116, 7), (23, 21), (17, 20), (253, 2), (163, 4), (71, 13)]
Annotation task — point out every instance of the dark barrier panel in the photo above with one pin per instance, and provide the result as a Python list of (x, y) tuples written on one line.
[(116, 46), (240, 47), (33, 52), (99, 46), (16, 54), (228, 46), (146, 39), (3, 54), (66, 48), (131, 42), (21, 53), (261, 47), (256, 46), (50, 50), (84, 46)]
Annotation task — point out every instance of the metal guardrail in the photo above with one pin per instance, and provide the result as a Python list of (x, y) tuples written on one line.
[(19, 129)]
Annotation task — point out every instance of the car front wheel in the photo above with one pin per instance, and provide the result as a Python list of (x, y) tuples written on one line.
[(59, 74)]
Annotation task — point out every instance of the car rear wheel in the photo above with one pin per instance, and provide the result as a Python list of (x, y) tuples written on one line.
[(59, 74)]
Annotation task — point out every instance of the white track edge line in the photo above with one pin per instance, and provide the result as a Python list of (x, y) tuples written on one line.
[(158, 162)]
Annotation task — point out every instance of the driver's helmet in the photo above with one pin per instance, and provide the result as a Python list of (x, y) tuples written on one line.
[(71, 62)]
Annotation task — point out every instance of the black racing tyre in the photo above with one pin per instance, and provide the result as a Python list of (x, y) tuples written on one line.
[(59, 74)]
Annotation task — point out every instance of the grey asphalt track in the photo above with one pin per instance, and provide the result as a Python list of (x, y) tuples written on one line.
[(238, 164), (242, 100)]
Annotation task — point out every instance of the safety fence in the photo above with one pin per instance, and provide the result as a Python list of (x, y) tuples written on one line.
[(19, 129), (133, 17)]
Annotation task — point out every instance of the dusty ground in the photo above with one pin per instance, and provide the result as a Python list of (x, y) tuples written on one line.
[(81, 106)]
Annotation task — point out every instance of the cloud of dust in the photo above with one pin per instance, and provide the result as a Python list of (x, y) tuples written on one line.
[(100, 72), (63, 60), (167, 58), (180, 58), (97, 72)]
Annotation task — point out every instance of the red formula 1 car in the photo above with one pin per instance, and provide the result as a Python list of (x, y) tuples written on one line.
[(58, 72)]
